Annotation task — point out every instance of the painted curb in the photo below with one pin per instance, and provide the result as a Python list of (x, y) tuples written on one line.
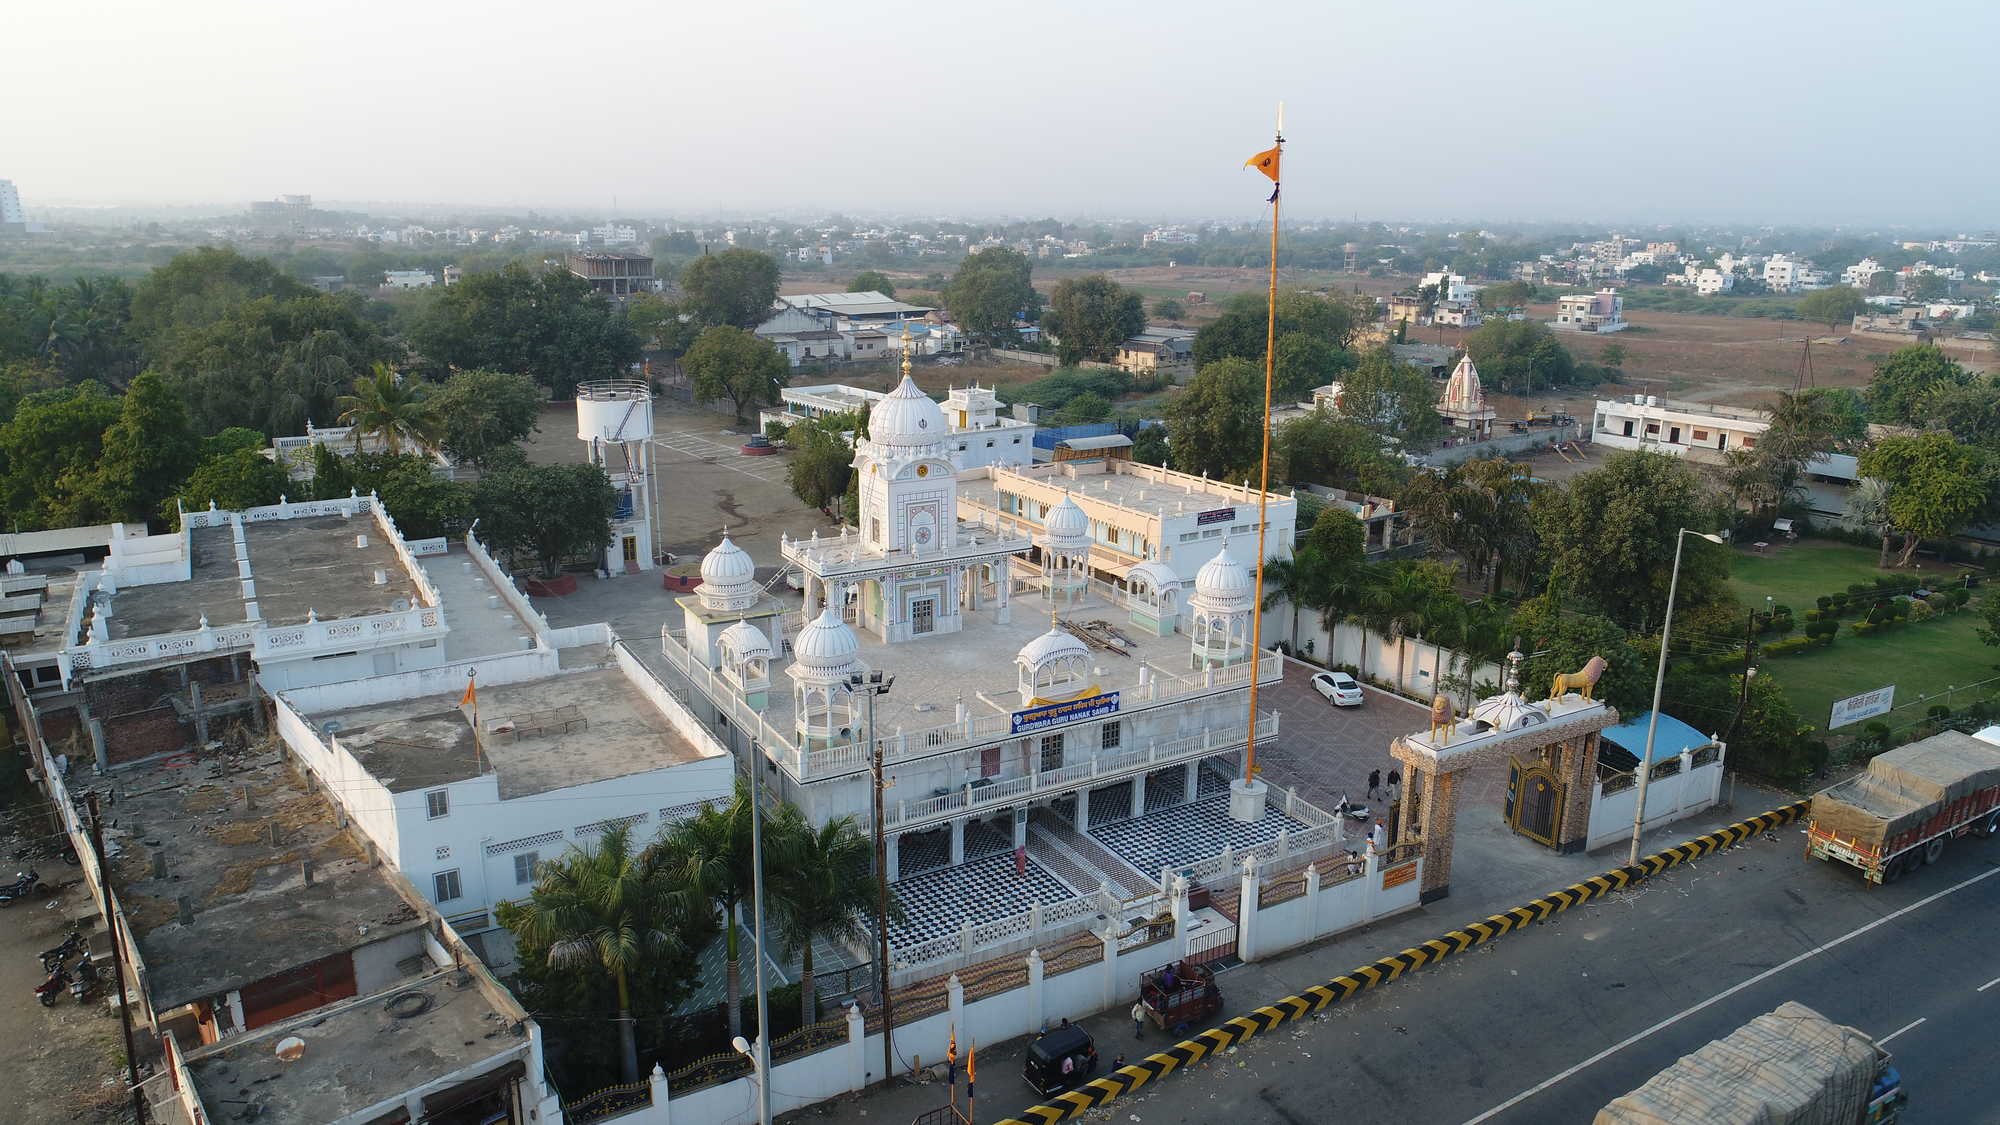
[(1101, 1091)]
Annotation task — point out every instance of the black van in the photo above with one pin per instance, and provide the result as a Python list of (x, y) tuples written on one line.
[(1043, 1064)]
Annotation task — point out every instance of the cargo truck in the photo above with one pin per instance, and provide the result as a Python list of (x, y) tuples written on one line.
[(1899, 814), (1793, 1066)]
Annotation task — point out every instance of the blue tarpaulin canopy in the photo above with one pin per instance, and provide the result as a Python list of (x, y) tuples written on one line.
[(1672, 739)]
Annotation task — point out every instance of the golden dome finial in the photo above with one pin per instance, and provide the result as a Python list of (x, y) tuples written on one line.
[(906, 349)]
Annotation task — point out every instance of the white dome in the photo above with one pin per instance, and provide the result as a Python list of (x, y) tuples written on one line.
[(1153, 576), (826, 644), (1222, 580), (745, 641), (906, 418), (727, 565), (1066, 525), (1049, 646)]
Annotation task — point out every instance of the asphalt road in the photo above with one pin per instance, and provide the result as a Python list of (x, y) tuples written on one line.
[(1549, 1024)]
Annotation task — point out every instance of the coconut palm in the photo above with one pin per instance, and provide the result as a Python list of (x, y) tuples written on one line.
[(608, 907), (385, 407), (821, 887), (707, 860), (1299, 582)]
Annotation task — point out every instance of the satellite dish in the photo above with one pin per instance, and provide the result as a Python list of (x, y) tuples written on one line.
[(400, 604)]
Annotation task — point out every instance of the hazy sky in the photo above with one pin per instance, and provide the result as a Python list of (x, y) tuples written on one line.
[(1835, 111)]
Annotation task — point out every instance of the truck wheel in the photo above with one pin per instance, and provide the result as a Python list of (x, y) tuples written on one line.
[(1892, 871), (1987, 827), (1933, 850)]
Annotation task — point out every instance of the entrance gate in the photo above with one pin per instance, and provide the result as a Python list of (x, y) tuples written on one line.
[(1534, 801)]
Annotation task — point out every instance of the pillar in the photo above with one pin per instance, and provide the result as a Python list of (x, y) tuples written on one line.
[(97, 745), (1312, 901), (1036, 1019), (1138, 795), (1246, 910), (1177, 903), (857, 1050), (1002, 587), (1083, 811), (957, 828), (1440, 816), (1193, 785), (1247, 799), (1020, 826), (811, 589), (200, 715), (657, 1087), (1111, 990), (1576, 769), (954, 999), (893, 854)]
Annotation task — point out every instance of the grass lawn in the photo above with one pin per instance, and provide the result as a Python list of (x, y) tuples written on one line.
[(1922, 659)]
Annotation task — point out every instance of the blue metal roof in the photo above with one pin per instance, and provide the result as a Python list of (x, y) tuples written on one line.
[(1671, 740)]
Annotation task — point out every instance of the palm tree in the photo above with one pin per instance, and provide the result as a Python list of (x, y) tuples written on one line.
[(1298, 581), (821, 887), (608, 907), (1345, 597), (707, 859), (1402, 604), (382, 406)]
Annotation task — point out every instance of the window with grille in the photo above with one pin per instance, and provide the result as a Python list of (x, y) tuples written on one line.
[(437, 802), (1113, 736), (1052, 752), (525, 866), (445, 887)]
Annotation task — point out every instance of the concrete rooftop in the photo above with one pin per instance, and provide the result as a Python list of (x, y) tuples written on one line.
[(253, 914), (1163, 499), (571, 729), (298, 565), (355, 1057)]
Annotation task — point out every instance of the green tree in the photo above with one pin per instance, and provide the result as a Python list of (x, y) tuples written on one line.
[(553, 512), (1169, 309), (1393, 399), (1903, 384), (1324, 448), (1092, 316), (735, 288), (1802, 427), (1929, 287), (148, 451), (660, 323), (1406, 597), (1506, 296), (1611, 537), (549, 326), (1833, 307), (1848, 412), (707, 857), (1521, 357), (872, 281), (1215, 425), (232, 480), (1083, 409), (271, 364), (200, 287), (1936, 485), (989, 290), (1612, 355), (1868, 512), (1239, 331), (1481, 510), (482, 412), (231, 439), (1150, 446), (822, 461), (1305, 364), (1564, 642), (821, 887), (609, 909), (49, 454), (390, 409), (1971, 414), (727, 362)]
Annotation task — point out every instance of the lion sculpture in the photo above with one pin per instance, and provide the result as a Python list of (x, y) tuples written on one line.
[(1440, 718), (1583, 682)]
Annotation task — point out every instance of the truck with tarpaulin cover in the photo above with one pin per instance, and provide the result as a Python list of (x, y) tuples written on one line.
[(1792, 1066), (1899, 813)]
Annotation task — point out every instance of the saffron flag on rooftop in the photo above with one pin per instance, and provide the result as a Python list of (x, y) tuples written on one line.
[(471, 697)]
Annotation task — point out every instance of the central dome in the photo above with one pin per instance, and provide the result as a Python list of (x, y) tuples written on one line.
[(1223, 581), (906, 418), (826, 644), (1066, 525)]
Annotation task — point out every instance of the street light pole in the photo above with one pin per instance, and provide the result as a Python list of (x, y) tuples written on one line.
[(872, 684), (1659, 682)]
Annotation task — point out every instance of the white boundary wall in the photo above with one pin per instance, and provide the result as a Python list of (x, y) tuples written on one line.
[(1692, 790), (1414, 666)]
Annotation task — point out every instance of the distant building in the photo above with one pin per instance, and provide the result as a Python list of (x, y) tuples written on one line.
[(454, 274), (1159, 350), (1463, 405), (1711, 282), (614, 275), (979, 434), (849, 308), (408, 279), (285, 213), (1861, 274), (12, 219), (1602, 311), (1676, 428), (1434, 359), (1458, 314), (1788, 275)]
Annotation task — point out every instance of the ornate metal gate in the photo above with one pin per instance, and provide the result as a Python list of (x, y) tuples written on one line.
[(1534, 801)]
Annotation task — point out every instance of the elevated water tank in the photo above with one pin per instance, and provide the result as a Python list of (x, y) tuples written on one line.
[(613, 410)]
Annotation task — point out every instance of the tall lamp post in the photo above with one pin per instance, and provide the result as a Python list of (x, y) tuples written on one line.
[(761, 1058), (1659, 682), (872, 684)]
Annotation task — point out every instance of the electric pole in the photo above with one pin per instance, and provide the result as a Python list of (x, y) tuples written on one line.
[(117, 959)]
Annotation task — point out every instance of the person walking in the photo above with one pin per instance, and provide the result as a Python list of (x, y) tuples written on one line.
[(1138, 1019), (1374, 785), (1395, 785)]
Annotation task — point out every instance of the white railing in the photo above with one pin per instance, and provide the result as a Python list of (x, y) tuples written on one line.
[(164, 646), (1285, 851), (217, 517), (345, 632), (973, 797), (1037, 925)]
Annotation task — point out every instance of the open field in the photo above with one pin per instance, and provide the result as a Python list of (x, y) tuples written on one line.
[(1923, 659)]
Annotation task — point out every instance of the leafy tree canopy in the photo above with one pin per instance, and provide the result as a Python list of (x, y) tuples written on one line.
[(1521, 357), (1324, 448), (1833, 306), (1239, 331), (548, 326), (1092, 316), (552, 513), (1611, 537), (727, 362), (1936, 485), (50, 451), (1904, 383), (482, 412), (234, 479), (872, 281), (735, 287), (1215, 425), (1393, 399), (991, 289)]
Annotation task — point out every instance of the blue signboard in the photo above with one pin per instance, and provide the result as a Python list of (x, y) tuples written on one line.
[(1056, 714)]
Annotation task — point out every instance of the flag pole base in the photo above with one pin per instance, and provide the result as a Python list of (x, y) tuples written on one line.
[(1247, 800)]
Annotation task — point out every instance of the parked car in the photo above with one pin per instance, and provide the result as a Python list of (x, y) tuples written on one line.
[(1339, 688), (1060, 1059)]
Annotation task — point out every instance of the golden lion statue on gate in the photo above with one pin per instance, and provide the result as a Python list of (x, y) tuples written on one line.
[(1441, 717), (1583, 682)]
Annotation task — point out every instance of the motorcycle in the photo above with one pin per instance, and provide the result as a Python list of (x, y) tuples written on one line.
[(85, 981), (50, 989), (25, 883), (72, 945)]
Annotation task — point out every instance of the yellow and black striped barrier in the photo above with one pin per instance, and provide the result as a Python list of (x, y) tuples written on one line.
[(1187, 1052)]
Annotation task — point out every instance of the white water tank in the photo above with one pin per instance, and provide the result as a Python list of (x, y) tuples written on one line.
[(614, 410)]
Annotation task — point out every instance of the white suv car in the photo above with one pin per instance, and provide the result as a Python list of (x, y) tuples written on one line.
[(1339, 688)]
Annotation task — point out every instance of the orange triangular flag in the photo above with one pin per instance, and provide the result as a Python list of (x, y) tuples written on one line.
[(972, 1065), (951, 1048), (471, 697), (1265, 162)]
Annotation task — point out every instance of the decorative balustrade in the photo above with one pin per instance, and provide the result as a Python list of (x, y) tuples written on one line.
[(345, 632), (1032, 926)]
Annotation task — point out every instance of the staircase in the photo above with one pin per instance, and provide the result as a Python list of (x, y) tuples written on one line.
[(1072, 851)]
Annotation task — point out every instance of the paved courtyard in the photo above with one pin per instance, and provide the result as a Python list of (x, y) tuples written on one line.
[(1189, 834), (938, 902)]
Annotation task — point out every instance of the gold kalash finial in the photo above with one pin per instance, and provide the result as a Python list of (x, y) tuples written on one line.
[(906, 349)]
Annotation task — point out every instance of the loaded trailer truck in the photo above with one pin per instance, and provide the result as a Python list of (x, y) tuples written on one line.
[(1788, 1067), (1900, 813)]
